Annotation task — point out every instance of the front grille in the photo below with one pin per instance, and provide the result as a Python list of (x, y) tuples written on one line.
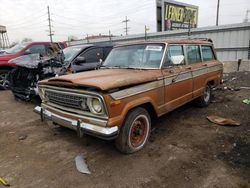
[(67, 100)]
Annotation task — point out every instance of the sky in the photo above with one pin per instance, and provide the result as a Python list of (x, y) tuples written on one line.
[(29, 19)]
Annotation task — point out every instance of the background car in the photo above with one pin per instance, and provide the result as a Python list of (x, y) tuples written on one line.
[(30, 69), (20, 49)]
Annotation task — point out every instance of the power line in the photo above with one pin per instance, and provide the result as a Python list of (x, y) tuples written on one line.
[(126, 25), (28, 19), (30, 24)]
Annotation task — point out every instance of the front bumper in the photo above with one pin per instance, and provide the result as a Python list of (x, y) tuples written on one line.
[(107, 133), (24, 93)]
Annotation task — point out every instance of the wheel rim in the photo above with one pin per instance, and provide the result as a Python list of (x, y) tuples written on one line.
[(139, 131), (2, 78), (207, 94)]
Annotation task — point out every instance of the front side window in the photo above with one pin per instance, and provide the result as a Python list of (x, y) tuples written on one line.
[(174, 50), (207, 53), (70, 52), (36, 49), (136, 56), (93, 55), (193, 54)]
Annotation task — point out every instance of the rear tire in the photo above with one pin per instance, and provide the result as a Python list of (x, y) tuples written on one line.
[(205, 99), (135, 131), (3, 76)]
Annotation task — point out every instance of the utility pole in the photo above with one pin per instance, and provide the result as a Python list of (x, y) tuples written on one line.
[(146, 29), (87, 38), (126, 25), (218, 11), (110, 35), (50, 32), (246, 17), (189, 28)]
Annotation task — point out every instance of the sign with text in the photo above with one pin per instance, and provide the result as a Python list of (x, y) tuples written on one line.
[(179, 16)]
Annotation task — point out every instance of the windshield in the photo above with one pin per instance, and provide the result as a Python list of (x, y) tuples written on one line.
[(16, 48), (136, 56), (70, 52)]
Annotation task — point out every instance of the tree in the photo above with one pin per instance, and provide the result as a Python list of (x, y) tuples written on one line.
[(72, 38), (27, 40)]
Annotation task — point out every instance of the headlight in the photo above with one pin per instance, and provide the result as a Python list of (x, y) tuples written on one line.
[(95, 105)]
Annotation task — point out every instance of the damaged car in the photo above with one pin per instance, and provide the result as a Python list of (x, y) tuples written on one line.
[(20, 49), (137, 82), (29, 69)]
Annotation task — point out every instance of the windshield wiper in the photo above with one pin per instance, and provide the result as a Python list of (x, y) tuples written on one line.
[(123, 67), (103, 66)]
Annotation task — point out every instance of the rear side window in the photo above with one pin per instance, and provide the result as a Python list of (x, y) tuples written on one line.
[(207, 53), (193, 54), (174, 50)]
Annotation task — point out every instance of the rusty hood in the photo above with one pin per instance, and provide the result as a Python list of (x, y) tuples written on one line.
[(106, 79)]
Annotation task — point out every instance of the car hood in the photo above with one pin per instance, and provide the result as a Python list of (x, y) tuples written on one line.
[(6, 57), (106, 79)]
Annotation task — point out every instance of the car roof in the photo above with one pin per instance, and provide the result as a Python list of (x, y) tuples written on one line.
[(92, 45), (171, 41)]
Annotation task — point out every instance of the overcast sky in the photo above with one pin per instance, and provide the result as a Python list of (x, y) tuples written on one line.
[(28, 18)]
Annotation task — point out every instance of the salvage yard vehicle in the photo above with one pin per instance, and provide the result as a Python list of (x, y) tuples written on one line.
[(138, 82), (30, 69), (21, 49)]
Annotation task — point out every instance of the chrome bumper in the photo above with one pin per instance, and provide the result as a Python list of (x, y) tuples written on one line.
[(106, 133)]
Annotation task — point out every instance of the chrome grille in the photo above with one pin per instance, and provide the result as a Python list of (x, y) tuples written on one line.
[(63, 99)]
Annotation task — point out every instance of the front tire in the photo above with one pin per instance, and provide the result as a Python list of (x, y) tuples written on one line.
[(205, 99), (135, 131)]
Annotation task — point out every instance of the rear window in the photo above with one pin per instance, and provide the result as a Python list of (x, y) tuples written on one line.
[(207, 53), (193, 54)]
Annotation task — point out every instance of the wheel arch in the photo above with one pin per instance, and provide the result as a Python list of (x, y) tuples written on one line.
[(146, 104), (5, 67)]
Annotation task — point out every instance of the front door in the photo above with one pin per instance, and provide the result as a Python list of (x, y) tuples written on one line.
[(177, 78), (92, 60)]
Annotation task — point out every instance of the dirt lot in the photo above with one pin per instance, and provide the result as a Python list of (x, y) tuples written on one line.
[(185, 149)]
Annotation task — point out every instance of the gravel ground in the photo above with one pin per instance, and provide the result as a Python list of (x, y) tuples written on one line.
[(185, 149)]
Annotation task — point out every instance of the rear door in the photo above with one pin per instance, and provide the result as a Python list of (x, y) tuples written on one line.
[(92, 59), (177, 78), (201, 58)]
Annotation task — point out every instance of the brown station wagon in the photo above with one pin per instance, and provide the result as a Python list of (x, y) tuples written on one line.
[(136, 83)]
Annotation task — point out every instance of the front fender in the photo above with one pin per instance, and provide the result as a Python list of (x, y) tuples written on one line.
[(125, 106)]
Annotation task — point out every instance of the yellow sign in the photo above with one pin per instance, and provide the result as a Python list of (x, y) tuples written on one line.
[(181, 14)]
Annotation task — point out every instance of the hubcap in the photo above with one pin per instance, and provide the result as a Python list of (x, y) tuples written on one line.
[(139, 131)]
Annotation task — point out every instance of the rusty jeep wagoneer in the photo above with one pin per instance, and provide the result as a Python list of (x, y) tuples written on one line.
[(136, 83)]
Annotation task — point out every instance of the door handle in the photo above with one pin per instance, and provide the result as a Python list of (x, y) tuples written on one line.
[(205, 65), (189, 68)]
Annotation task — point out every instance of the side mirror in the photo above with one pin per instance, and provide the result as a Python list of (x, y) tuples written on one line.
[(177, 60), (80, 59)]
